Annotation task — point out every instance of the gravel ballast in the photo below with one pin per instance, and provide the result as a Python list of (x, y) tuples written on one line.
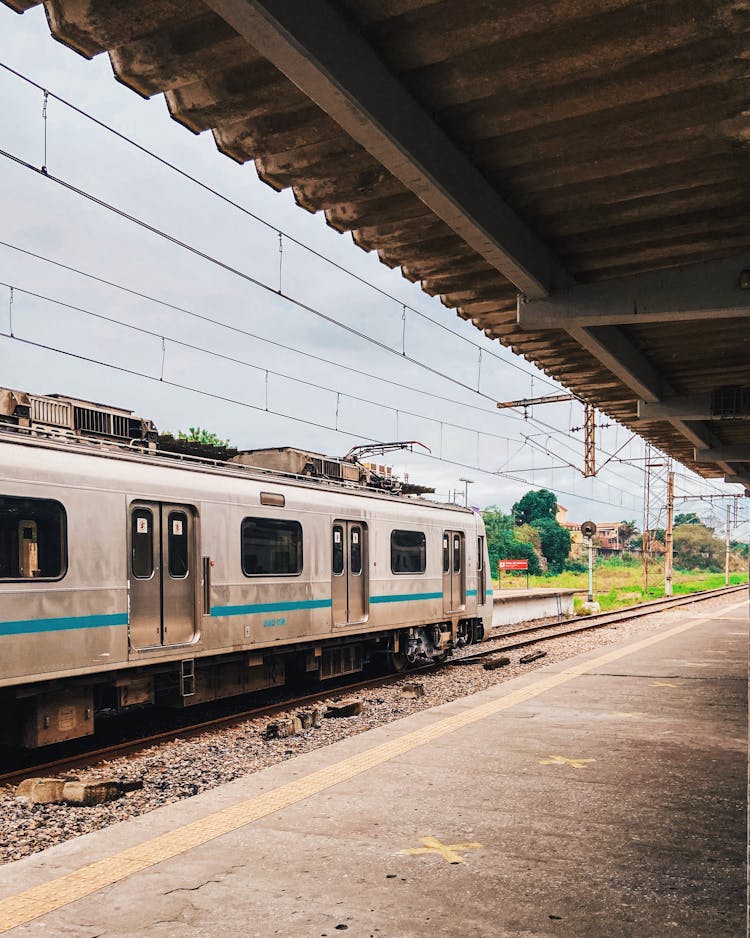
[(181, 768)]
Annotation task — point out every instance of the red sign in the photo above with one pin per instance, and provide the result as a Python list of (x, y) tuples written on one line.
[(513, 565)]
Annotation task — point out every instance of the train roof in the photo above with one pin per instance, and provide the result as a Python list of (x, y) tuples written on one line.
[(101, 429), (113, 450)]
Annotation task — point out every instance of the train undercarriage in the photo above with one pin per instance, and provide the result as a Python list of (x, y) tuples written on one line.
[(44, 713)]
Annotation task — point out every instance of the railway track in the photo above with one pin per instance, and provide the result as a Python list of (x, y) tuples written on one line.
[(553, 631), (600, 620)]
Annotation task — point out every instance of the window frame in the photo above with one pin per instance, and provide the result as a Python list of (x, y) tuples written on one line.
[(423, 552), (359, 552), (171, 555), (458, 541), (287, 521), (64, 560), (337, 550), (134, 516)]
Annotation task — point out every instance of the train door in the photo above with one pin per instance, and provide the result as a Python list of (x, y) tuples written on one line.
[(454, 571), (349, 590), (481, 573), (162, 574)]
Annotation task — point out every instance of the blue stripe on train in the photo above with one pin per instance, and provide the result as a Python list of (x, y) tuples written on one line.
[(250, 608), (27, 626), (66, 623), (404, 597)]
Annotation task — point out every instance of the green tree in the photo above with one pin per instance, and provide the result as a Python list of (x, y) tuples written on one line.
[(529, 534), (688, 518), (627, 530), (740, 548), (199, 435), (534, 506), (658, 534), (696, 548), (502, 543), (555, 541)]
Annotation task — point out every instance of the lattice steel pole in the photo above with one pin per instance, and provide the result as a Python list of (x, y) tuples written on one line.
[(589, 445)]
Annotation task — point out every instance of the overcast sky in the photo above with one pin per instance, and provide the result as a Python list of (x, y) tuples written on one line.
[(468, 437)]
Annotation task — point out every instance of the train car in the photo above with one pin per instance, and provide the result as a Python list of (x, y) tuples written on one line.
[(131, 577)]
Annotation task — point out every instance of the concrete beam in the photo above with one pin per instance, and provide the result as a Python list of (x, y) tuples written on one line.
[(332, 64), (696, 292), (701, 436), (616, 352), (739, 452), (686, 407), (739, 480)]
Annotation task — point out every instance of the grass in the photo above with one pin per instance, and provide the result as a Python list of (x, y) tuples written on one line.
[(617, 585)]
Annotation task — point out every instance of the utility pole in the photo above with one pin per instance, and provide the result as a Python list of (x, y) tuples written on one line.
[(669, 537), (589, 424), (589, 442), (646, 518), (726, 554)]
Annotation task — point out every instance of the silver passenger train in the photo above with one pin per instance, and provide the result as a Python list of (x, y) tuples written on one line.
[(131, 577)]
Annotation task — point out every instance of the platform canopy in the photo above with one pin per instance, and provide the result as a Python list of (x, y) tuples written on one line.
[(572, 177)]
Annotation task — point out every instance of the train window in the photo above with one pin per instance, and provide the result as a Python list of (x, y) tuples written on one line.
[(142, 543), (337, 562), (408, 552), (178, 553), (446, 554), (457, 540), (271, 547), (33, 539), (355, 550)]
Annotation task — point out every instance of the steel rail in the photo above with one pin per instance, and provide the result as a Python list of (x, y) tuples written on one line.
[(630, 612), (595, 622)]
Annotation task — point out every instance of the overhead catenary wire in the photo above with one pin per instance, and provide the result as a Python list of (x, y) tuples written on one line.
[(307, 307), (260, 284), (168, 164), (163, 338), (284, 345), (277, 413), (359, 372), (230, 269)]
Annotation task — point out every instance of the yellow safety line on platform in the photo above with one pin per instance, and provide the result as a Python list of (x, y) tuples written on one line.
[(47, 897)]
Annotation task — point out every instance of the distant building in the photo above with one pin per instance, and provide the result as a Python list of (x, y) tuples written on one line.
[(577, 549), (606, 541), (608, 537)]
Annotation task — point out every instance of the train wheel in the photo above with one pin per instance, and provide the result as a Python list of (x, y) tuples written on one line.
[(397, 662)]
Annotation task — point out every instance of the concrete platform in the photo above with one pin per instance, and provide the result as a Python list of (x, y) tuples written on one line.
[(512, 605), (602, 796)]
